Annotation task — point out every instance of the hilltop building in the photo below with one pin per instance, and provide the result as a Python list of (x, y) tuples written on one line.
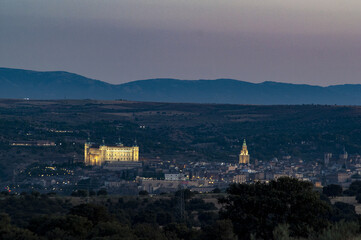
[(40, 143), (326, 159), (98, 155), (344, 155), (175, 177), (244, 156)]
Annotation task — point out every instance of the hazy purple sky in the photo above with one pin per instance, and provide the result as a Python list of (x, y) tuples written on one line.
[(297, 41)]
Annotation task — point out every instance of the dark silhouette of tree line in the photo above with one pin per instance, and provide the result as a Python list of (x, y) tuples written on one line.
[(281, 209)]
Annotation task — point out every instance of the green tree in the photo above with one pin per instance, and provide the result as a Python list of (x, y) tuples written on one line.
[(344, 212), (340, 231), (281, 232), (332, 190), (9, 232), (188, 194), (112, 229), (95, 213), (143, 193), (207, 218), (102, 192), (68, 225), (92, 193), (258, 208), (80, 193), (181, 231), (358, 197), (354, 188), (148, 232), (216, 190), (164, 217), (221, 230)]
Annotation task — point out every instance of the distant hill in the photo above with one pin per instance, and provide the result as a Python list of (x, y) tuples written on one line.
[(17, 83)]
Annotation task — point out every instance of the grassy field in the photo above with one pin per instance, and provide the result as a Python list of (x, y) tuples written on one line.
[(349, 200)]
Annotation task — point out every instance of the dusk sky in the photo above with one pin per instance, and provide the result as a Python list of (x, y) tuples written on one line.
[(295, 41)]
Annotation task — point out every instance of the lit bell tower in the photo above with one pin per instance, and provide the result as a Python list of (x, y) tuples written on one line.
[(244, 156)]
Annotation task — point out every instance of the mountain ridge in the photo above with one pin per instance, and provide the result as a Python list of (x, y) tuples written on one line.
[(19, 83)]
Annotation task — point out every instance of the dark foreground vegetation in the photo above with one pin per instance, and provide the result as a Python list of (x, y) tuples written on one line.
[(283, 209), (170, 131)]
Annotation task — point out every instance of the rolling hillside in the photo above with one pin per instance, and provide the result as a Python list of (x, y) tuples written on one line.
[(17, 83)]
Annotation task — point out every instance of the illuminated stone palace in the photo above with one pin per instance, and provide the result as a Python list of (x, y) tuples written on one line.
[(244, 156), (98, 155)]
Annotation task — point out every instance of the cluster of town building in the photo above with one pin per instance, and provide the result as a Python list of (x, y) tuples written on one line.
[(119, 169)]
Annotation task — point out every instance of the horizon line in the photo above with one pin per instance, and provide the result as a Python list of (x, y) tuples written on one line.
[(178, 79)]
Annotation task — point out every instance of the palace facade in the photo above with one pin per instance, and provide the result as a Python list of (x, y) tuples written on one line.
[(98, 155)]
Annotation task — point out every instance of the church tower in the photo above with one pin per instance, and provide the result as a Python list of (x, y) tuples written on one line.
[(244, 156)]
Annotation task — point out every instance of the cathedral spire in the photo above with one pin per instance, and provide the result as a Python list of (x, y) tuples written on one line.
[(244, 156)]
